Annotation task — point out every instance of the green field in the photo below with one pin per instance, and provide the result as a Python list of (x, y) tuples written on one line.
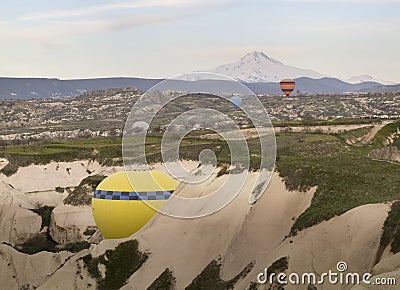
[(106, 151)]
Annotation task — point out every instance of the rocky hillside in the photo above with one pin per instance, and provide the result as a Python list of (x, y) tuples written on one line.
[(166, 243)]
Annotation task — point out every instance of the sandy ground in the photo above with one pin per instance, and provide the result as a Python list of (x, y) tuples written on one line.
[(389, 267), (187, 246), (241, 233), (353, 238)]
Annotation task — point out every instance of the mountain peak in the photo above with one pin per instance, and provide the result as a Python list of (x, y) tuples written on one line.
[(258, 66), (258, 56)]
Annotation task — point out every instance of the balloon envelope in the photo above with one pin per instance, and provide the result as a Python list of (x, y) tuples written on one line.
[(140, 127), (287, 86), (236, 101), (125, 201)]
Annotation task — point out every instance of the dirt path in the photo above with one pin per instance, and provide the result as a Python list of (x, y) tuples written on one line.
[(367, 139), (328, 129)]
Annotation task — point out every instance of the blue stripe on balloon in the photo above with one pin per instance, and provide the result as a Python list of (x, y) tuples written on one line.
[(118, 195)]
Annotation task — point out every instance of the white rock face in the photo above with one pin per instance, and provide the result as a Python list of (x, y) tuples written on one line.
[(17, 223), (26, 225), (72, 275), (37, 178), (19, 270), (68, 223), (3, 162), (34, 186), (390, 153)]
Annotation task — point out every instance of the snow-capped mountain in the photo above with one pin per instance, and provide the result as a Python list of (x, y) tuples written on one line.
[(259, 67), (366, 78)]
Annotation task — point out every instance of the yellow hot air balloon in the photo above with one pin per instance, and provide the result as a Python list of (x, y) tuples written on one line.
[(121, 202)]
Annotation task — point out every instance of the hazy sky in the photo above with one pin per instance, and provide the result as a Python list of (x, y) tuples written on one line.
[(163, 38)]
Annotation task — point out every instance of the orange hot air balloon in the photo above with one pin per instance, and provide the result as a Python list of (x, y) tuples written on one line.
[(287, 86)]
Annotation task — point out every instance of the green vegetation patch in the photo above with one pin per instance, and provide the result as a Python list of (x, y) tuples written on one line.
[(45, 213), (391, 229), (346, 177), (387, 131), (119, 263), (39, 243), (279, 266), (43, 242), (89, 231), (210, 278), (82, 194), (166, 281), (105, 151), (309, 145)]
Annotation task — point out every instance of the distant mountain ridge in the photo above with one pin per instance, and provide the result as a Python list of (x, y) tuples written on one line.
[(37, 88), (40, 88), (257, 70)]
